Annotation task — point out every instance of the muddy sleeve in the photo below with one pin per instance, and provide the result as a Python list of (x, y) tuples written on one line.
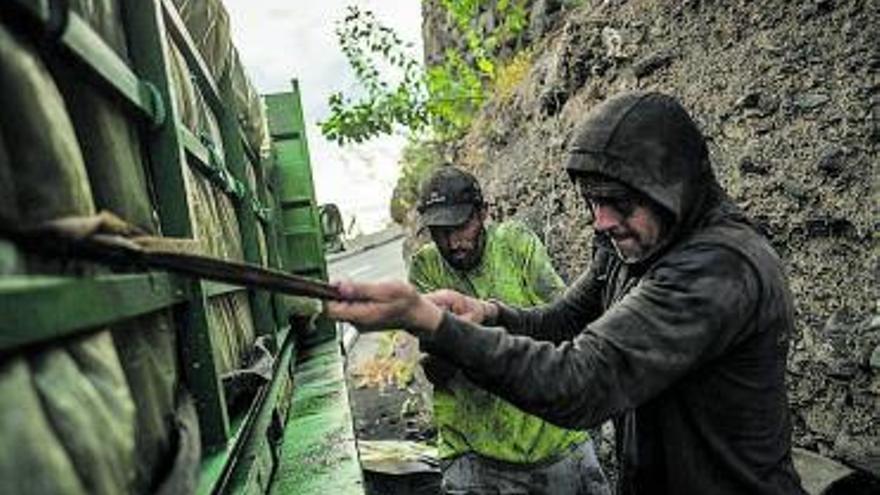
[(567, 315), (690, 310)]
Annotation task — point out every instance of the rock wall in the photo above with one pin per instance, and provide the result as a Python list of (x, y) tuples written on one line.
[(439, 32), (788, 94)]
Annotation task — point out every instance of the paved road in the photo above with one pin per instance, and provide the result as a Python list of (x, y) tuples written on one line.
[(378, 411), (379, 263)]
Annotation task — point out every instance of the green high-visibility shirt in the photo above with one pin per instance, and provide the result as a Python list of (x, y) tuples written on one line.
[(515, 268)]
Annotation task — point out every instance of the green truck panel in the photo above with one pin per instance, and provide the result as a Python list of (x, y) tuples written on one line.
[(265, 441)]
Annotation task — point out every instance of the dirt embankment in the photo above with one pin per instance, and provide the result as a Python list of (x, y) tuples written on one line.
[(788, 94)]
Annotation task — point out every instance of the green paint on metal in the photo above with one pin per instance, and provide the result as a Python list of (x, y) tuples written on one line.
[(35, 309), (148, 48), (215, 465), (112, 70), (318, 453), (204, 157), (211, 469), (252, 472), (231, 177), (240, 454), (270, 230), (248, 459), (236, 161), (298, 234), (252, 154), (91, 52), (213, 289)]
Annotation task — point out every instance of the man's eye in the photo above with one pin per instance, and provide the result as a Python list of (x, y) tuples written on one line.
[(624, 206)]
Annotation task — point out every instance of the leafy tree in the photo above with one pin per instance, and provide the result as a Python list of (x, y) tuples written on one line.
[(444, 97), (369, 45)]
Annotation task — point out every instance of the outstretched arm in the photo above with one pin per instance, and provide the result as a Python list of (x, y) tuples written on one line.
[(687, 313), (383, 306)]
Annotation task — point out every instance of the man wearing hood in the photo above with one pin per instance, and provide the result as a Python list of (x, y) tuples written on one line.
[(678, 331)]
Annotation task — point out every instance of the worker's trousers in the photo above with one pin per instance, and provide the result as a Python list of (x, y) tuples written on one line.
[(575, 473)]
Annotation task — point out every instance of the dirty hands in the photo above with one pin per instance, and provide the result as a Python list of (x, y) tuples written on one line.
[(464, 307), (384, 305)]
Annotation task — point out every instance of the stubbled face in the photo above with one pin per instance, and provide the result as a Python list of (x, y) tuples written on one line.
[(633, 227), (462, 246)]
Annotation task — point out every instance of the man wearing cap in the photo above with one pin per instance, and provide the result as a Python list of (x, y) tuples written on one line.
[(679, 329), (486, 444)]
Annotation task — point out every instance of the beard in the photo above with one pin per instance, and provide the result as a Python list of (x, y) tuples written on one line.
[(465, 259)]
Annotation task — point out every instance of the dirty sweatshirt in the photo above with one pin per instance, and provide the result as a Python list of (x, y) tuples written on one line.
[(688, 359)]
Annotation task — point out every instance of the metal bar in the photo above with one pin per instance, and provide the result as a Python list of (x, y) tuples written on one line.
[(247, 219), (263, 213), (211, 165), (215, 289), (270, 232), (296, 202), (145, 26), (38, 309), (228, 466), (194, 147), (186, 45), (251, 153), (92, 51), (68, 30)]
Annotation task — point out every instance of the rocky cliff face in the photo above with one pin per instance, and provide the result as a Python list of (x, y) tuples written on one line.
[(439, 32), (788, 94)]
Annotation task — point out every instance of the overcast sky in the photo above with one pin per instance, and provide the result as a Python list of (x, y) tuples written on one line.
[(284, 39)]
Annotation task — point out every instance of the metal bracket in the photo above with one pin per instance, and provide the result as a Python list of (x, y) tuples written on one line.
[(155, 98), (57, 26), (264, 214), (217, 173)]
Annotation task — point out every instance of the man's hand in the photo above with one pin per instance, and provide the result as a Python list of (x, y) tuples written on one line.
[(384, 305), (464, 307)]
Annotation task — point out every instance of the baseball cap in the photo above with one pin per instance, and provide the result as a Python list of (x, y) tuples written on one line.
[(449, 197)]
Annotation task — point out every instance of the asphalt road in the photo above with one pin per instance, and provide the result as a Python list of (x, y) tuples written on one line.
[(377, 411), (382, 262), (379, 263)]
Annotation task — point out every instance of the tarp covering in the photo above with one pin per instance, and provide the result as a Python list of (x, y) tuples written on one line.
[(215, 222), (208, 24), (248, 106), (112, 150), (67, 417), (105, 414)]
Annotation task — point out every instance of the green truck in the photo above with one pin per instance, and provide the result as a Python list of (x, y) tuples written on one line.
[(118, 378)]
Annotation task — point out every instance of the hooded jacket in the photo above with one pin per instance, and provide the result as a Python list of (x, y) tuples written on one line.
[(685, 350)]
